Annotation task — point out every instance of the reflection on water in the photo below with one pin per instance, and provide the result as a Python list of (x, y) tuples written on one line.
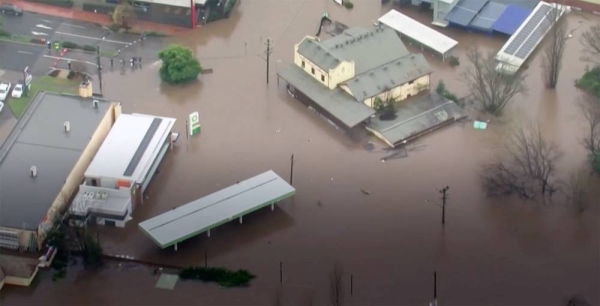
[(391, 240)]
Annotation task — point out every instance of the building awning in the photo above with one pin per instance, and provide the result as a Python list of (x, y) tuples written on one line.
[(416, 116), (511, 19), (336, 102)]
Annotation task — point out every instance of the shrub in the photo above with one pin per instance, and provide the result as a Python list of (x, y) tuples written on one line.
[(4, 33), (71, 75), (349, 5), (222, 276), (453, 61), (89, 48), (442, 90), (590, 81), (155, 34), (114, 27), (69, 45)]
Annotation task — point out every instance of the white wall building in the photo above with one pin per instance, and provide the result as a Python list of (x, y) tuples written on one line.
[(120, 172)]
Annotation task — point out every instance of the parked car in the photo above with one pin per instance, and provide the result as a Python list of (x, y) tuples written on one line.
[(4, 90), (10, 9), (17, 92), (1, 107)]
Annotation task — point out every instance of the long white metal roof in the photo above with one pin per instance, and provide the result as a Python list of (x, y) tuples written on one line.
[(528, 36), (130, 147), (215, 209), (418, 31)]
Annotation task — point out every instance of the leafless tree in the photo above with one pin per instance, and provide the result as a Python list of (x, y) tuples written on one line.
[(590, 40), (526, 166), (336, 285), (590, 109), (79, 67), (555, 47), (278, 297), (488, 86), (576, 189)]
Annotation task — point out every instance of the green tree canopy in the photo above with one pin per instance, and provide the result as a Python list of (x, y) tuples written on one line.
[(124, 15), (178, 65)]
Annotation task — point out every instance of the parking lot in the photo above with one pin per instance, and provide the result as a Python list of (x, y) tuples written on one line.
[(7, 120)]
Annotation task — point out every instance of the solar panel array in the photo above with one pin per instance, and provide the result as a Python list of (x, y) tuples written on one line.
[(530, 34)]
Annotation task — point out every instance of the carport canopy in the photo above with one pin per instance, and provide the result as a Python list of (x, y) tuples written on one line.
[(215, 209)]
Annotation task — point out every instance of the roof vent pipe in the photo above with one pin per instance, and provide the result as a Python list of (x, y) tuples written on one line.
[(33, 171), (67, 126), (95, 103)]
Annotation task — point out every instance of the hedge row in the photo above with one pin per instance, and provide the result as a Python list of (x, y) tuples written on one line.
[(72, 45), (224, 277), (61, 3)]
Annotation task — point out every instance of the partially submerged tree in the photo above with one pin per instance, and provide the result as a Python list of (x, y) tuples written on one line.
[(278, 296), (336, 285), (590, 40), (590, 109), (490, 87), (124, 15), (576, 189), (178, 65), (555, 48), (526, 166)]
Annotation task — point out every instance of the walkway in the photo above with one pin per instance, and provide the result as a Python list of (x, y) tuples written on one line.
[(95, 17)]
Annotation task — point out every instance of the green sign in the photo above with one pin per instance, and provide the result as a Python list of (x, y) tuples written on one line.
[(56, 45), (194, 123)]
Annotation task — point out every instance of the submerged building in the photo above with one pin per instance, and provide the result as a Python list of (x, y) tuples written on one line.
[(117, 177), (346, 76)]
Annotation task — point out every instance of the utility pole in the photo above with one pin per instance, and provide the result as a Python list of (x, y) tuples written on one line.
[(444, 193), (99, 68), (281, 272), (268, 53), (292, 170), (434, 303)]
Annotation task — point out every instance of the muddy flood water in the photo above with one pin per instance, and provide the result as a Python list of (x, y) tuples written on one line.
[(490, 252)]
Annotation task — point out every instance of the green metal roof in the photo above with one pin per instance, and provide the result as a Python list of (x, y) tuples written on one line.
[(416, 116), (336, 102), (215, 209), (368, 49), (388, 76)]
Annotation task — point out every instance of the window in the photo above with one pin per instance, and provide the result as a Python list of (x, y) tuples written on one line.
[(94, 182), (409, 83), (312, 70), (322, 78), (303, 64)]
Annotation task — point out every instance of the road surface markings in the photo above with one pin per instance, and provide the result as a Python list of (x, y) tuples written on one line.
[(94, 38), (72, 25), (46, 20), (25, 52), (68, 59), (38, 33), (42, 26)]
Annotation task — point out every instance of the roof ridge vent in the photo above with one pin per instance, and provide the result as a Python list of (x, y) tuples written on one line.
[(33, 171)]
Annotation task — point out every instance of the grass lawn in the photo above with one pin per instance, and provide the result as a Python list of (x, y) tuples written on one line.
[(44, 83)]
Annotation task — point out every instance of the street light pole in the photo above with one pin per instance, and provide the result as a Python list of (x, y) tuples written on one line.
[(444, 193), (99, 68)]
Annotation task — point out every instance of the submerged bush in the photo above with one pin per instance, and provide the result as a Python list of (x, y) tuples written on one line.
[(590, 81), (224, 277), (453, 61), (442, 90), (349, 5)]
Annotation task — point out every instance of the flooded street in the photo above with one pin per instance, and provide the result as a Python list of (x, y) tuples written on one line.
[(501, 252)]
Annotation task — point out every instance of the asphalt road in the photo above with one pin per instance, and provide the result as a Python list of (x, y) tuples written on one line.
[(17, 56), (31, 24)]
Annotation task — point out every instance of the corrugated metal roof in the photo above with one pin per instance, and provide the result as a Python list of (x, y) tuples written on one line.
[(511, 19), (336, 102), (217, 208), (388, 76), (415, 116), (368, 49), (488, 16), (465, 11)]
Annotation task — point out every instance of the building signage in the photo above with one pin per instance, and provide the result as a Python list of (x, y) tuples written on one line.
[(194, 123)]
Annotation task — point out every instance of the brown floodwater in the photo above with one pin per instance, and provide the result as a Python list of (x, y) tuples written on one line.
[(500, 252)]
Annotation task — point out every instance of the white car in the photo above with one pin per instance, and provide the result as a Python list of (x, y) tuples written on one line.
[(4, 90), (17, 92), (1, 107)]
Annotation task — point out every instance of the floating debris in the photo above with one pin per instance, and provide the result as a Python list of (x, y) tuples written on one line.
[(370, 146), (479, 125), (365, 192), (319, 203), (278, 131), (396, 154)]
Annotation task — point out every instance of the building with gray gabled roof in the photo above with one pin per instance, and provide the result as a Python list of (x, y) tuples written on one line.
[(42, 162), (349, 76)]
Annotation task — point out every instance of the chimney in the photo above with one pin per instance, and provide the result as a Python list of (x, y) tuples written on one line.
[(33, 171), (95, 103), (67, 126)]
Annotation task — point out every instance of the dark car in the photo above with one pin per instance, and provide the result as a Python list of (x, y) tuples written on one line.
[(11, 9)]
